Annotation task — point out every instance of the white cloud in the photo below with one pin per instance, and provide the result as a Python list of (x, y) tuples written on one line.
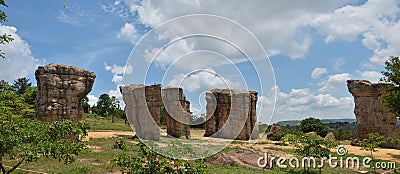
[(128, 32), (375, 22), (275, 23), (92, 99), (334, 83), (118, 71), (302, 103), (372, 76), (170, 53), (318, 72), (118, 95), (19, 61), (202, 81)]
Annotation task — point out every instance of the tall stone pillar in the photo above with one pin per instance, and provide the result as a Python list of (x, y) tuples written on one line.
[(176, 112), (231, 114), (141, 111), (60, 91), (372, 116), (153, 100)]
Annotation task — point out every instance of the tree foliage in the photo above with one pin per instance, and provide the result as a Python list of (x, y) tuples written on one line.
[(343, 134), (85, 104), (24, 139), (109, 106), (149, 161), (392, 75), (4, 37), (104, 105), (308, 145), (313, 125)]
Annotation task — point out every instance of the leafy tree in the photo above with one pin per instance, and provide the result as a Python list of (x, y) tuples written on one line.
[(149, 161), (343, 134), (373, 141), (18, 104), (14, 104), (392, 75), (5, 38), (85, 104), (114, 107), (25, 140), (313, 125), (21, 84), (104, 105), (310, 146), (4, 86)]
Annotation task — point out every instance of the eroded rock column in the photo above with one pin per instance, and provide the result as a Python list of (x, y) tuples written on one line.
[(153, 99), (231, 114), (176, 112), (60, 90), (140, 108), (372, 116)]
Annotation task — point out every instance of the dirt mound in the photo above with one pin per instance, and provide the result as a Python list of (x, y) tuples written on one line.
[(240, 157)]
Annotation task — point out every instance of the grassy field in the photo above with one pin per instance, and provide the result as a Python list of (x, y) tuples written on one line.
[(97, 159), (98, 123)]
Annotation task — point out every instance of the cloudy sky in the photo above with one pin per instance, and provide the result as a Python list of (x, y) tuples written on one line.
[(313, 47)]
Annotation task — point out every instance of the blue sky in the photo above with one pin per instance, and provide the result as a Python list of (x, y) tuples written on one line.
[(313, 46)]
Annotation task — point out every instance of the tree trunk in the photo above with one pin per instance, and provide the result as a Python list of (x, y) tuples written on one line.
[(3, 170), (15, 167)]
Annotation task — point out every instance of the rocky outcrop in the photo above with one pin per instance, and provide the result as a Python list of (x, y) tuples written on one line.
[(330, 136), (176, 112), (372, 116), (231, 114), (142, 108), (60, 90), (275, 129), (153, 100)]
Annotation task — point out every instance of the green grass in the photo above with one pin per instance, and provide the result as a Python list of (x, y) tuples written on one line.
[(98, 123), (98, 161), (88, 162)]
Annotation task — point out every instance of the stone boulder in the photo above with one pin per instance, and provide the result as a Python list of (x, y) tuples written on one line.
[(231, 114), (145, 120), (275, 129), (60, 91), (312, 133), (372, 116), (330, 136), (176, 112)]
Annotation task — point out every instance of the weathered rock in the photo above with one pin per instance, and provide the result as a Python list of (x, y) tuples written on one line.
[(140, 108), (275, 129), (231, 114), (153, 100), (60, 90), (176, 112), (312, 133), (372, 116), (330, 136)]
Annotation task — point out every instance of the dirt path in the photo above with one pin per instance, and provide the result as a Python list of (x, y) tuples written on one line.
[(384, 154), (108, 134)]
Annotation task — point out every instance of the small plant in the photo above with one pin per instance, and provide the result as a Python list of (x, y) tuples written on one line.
[(120, 144), (310, 146), (152, 162), (373, 141)]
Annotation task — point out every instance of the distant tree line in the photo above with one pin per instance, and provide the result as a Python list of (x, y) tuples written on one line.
[(106, 106)]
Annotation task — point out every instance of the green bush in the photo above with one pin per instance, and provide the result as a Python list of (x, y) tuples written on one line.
[(152, 162)]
